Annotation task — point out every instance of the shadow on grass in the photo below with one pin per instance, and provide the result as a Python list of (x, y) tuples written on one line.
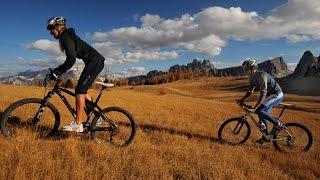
[(153, 128), (14, 123), (235, 87), (301, 108)]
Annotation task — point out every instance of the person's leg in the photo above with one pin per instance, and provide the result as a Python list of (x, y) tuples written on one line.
[(76, 126), (80, 101), (88, 75), (263, 112), (259, 111), (88, 103), (261, 116), (270, 102)]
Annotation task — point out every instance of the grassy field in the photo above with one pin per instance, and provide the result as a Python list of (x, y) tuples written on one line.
[(176, 139)]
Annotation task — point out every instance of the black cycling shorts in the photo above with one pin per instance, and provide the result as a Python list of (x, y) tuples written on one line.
[(88, 75)]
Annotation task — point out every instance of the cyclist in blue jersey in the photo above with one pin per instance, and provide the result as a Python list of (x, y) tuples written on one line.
[(270, 95)]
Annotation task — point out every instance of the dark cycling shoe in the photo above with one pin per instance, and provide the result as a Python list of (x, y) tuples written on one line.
[(262, 140), (275, 130)]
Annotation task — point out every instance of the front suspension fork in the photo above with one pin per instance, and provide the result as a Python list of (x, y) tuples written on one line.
[(239, 125), (38, 115), (36, 118)]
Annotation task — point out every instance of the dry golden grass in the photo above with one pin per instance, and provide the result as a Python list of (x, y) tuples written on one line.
[(176, 139)]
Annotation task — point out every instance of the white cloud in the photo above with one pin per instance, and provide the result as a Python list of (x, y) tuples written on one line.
[(137, 70), (100, 36), (109, 49), (115, 54), (8, 70), (298, 38), (231, 23), (150, 55), (207, 32), (210, 45), (292, 66), (45, 45), (20, 64), (41, 63), (37, 62), (150, 20)]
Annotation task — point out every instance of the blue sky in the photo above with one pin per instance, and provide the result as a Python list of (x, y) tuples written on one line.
[(142, 35)]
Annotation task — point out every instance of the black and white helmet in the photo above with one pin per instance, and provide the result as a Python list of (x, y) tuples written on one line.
[(248, 63), (54, 21)]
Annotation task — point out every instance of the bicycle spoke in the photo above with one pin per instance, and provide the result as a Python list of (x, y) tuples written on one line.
[(117, 127), (238, 128), (295, 138), (234, 131), (20, 122)]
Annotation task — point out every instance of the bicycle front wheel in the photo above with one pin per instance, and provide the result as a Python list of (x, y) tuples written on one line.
[(118, 128), (29, 119), (293, 138), (234, 131)]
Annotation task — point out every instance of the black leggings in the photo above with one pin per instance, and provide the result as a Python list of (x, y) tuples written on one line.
[(88, 75)]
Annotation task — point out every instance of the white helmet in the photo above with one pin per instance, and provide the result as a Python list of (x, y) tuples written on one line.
[(249, 63), (54, 21)]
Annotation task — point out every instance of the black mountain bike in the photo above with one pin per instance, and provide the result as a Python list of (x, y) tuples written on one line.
[(39, 118), (292, 137)]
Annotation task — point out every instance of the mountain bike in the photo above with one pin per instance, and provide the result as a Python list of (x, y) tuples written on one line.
[(39, 118), (292, 137)]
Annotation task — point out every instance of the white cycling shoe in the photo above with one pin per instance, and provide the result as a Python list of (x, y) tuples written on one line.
[(73, 127)]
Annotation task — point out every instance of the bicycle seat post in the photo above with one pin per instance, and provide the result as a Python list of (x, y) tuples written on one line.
[(284, 107), (99, 96)]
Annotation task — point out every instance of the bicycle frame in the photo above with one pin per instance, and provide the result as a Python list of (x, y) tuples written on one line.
[(57, 89), (249, 114)]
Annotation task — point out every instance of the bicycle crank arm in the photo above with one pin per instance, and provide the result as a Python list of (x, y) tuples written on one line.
[(102, 129)]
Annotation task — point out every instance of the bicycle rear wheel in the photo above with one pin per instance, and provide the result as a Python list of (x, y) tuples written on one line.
[(294, 138), (29, 119), (121, 129), (234, 131)]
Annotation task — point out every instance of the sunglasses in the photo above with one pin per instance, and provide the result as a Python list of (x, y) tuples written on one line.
[(50, 27)]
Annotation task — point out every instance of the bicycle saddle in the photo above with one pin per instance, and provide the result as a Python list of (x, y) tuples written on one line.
[(105, 84), (287, 105)]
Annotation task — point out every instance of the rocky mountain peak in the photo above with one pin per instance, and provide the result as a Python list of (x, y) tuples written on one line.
[(275, 67), (307, 66), (195, 65)]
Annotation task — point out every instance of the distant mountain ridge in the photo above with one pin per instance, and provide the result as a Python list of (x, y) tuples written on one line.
[(194, 69), (308, 66), (204, 66), (29, 77), (276, 67)]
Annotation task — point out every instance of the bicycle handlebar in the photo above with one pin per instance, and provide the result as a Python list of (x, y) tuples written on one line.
[(246, 107), (48, 79)]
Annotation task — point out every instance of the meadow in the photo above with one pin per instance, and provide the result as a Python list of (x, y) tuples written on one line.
[(176, 138)]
